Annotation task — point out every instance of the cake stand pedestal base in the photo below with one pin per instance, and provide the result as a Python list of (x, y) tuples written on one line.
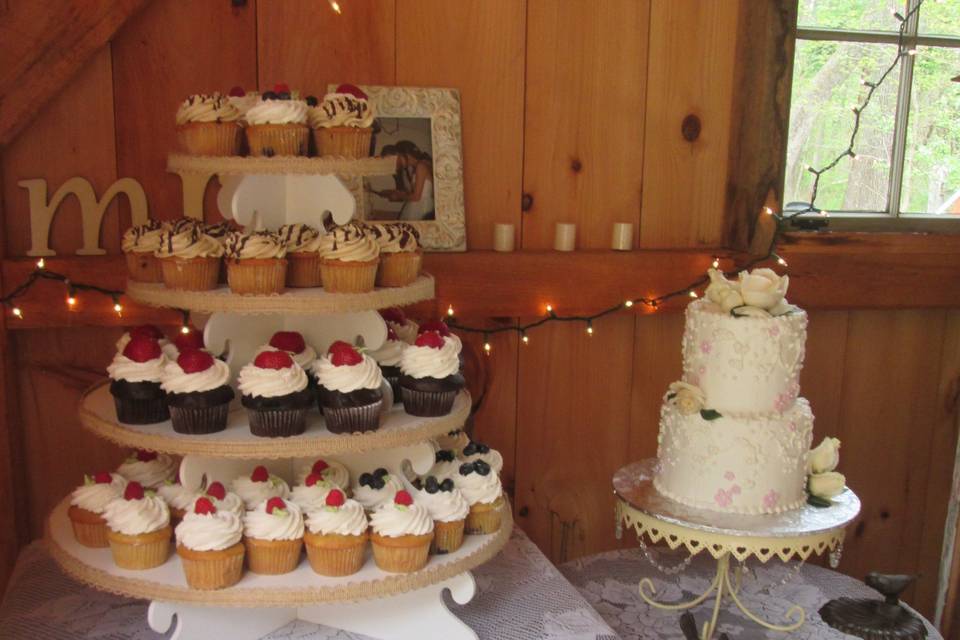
[(422, 613)]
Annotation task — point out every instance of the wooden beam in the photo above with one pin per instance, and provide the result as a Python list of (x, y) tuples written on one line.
[(45, 45)]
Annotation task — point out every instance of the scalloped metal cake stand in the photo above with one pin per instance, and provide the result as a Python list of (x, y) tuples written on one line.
[(796, 534)]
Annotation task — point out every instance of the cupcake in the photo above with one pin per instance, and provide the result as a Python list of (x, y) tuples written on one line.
[(400, 254), (274, 391), (208, 543), (303, 245), (312, 493), (87, 503), (441, 327), (402, 534), (149, 468), (374, 489), (138, 245), (349, 389), (138, 528), (336, 536), (328, 469), (198, 393), (255, 263), (151, 332), (190, 258), (224, 500), (430, 375), (273, 536), (481, 487), (178, 498), (260, 485), (243, 100), (293, 343), (448, 508), (209, 125), (455, 441), (193, 339), (342, 123), (135, 382), (446, 465), (405, 328), (479, 451), (388, 357), (349, 263), (277, 125)]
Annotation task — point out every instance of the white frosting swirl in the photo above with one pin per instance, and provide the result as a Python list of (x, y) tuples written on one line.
[(231, 502), (285, 524), (372, 498), (176, 380), (190, 242), (150, 474), (143, 239), (259, 245), (335, 472), (95, 497), (388, 355), (396, 237), (123, 368), (177, 495), (271, 383), (210, 531), (445, 506), (253, 493), (393, 520), (478, 489), (341, 110), (277, 112), (427, 362), (346, 378), (305, 358), (313, 497), (207, 108), (300, 238), (406, 331), (133, 517), (348, 519), (243, 103), (351, 243)]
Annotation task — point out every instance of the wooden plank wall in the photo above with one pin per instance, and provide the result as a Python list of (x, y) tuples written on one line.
[(578, 104)]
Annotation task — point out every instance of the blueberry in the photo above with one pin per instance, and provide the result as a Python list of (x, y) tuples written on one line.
[(285, 95), (365, 480), (444, 456), (466, 469), (446, 485), (418, 483), (431, 485), (312, 101), (377, 483), (269, 95), (380, 472), (481, 467), (482, 448)]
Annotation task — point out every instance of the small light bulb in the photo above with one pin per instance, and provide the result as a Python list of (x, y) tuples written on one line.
[(41, 263), (693, 294), (184, 329), (450, 311), (117, 308), (487, 347), (768, 211), (549, 308), (781, 261), (589, 329), (911, 52), (71, 301), (628, 304), (525, 339), (17, 312), (336, 7), (716, 263)]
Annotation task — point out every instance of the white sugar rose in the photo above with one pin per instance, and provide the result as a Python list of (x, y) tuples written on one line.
[(731, 300), (719, 286), (824, 457), (763, 288), (826, 485), (688, 398)]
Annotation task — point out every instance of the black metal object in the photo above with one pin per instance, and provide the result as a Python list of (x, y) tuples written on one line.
[(871, 619), (688, 624)]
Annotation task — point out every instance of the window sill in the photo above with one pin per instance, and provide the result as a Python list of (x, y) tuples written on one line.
[(881, 222)]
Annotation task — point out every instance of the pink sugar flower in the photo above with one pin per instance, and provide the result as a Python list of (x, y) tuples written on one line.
[(723, 498), (771, 499)]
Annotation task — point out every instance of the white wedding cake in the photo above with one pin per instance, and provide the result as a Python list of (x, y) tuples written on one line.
[(734, 435)]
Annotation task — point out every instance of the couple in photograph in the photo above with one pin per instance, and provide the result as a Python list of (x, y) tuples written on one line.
[(414, 181)]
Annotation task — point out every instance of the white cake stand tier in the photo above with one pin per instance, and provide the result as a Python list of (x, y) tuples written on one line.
[(794, 534)]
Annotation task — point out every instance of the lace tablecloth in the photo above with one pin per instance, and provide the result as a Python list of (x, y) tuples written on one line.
[(520, 596), (609, 582)]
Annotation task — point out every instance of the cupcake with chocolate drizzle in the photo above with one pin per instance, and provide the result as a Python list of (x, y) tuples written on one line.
[(139, 244), (277, 124), (189, 258), (400, 254), (209, 125), (303, 244), (349, 263), (349, 389), (256, 263), (342, 122)]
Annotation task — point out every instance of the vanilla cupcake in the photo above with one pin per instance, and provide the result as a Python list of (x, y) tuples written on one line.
[(209, 125), (259, 486), (312, 493), (209, 546), (342, 123), (303, 245), (479, 451), (449, 510), (328, 469), (87, 504), (274, 391), (138, 528), (138, 245), (388, 357), (336, 536), (149, 468), (273, 536), (400, 254), (405, 328), (374, 489), (349, 389), (198, 392), (430, 375), (402, 534), (190, 258), (255, 263), (179, 498), (242, 101), (446, 465), (222, 499), (277, 125), (349, 263), (481, 487), (135, 375)]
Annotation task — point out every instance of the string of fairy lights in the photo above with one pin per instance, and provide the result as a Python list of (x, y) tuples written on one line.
[(72, 288)]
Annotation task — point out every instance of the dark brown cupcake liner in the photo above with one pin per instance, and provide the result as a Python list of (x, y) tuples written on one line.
[(141, 411), (197, 421), (353, 419), (277, 423), (427, 404)]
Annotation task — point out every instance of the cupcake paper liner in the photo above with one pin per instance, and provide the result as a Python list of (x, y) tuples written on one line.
[(447, 537), (197, 421), (193, 274), (143, 267), (348, 277), (427, 404), (484, 518), (209, 570), (257, 277), (402, 554), (398, 269), (142, 551), (353, 419), (335, 555), (89, 528), (272, 557), (304, 270), (277, 423), (278, 139), (210, 138), (134, 411), (347, 142)]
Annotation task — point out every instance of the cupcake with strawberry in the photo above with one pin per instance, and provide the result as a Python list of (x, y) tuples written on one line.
[(328, 469), (198, 392), (192, 339), (293, 343), (336, 536), (139, 244), (149, 468), (151, 332), (277, 124), (222, 499), (273, 536), (342, 123), (179, 498), (349, 389), (311, 494), (210, 548), (449, 510), (400, 254), (274, 391), (87, 504), (388, 357), (303, 244), (138, 528), (405, 328), (256, 263), (135, 375), (349, 260), (402, 534), (481, 487), (431, 378), (260, 485)]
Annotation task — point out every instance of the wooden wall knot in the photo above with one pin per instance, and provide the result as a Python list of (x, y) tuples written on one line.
[(575, 165), (690, 127), (526, 202)]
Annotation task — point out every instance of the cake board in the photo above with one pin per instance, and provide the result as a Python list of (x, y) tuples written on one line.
[(795, 534)]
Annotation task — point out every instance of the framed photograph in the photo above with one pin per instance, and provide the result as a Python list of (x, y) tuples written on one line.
[(421, 129)]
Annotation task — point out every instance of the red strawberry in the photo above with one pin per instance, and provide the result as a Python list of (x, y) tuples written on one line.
[(203, 507), (288, 341), (403, 498), (281, 87), (146, 331), (319, 467), (435, 325), (342, 354), (275, 503), (217, 490), (260, 474), (391, 334), (134, 491), (393, 314), (146, 456), (102, 477), (194, 360), (273, 360), (313, 479), (237, 92), (430, 339), (352, 90), (336, 498), (142, 349), (192, 340)]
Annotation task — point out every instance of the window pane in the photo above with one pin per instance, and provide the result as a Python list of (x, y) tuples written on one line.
[(826, 84), (931, 172), (861, 15), (940, 18)]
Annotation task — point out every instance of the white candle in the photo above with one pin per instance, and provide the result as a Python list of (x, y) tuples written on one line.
[(622, 239), (503, 237), (565, 238)]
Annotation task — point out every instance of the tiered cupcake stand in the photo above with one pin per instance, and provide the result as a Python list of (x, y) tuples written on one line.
[(372, 602)]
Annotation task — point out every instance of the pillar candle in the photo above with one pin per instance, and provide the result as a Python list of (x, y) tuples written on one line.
[(622, 239), (503, 237), (565, 238)]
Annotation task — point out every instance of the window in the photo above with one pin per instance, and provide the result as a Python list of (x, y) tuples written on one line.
[(906, 167)]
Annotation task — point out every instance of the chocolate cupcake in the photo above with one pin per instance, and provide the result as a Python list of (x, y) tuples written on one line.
[(135, 386), (431, 377), (388, 357), (293, 343), (198, 393), (274, 391), (349, 389)]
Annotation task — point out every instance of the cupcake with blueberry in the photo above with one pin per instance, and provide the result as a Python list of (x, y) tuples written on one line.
[(349, 389), (449, 510), (328, 469), (139, 244), (402, 534), (198, 392), (349, 260), (481, 487), (336, 536), (342, 122), (405, 328), (430, 375), (87, 504), (149, 468), (374, 489), (446, 464), (400, 254), (256, 263), (277, 124), (209, 125), (222, 499), (479, 451), (138, 529), (303, 244), (273, 536), (210, 548), (135, 375), (189, 258), (273, 388), (151, 332), (178, 498), (260, 485), (388, 357)]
